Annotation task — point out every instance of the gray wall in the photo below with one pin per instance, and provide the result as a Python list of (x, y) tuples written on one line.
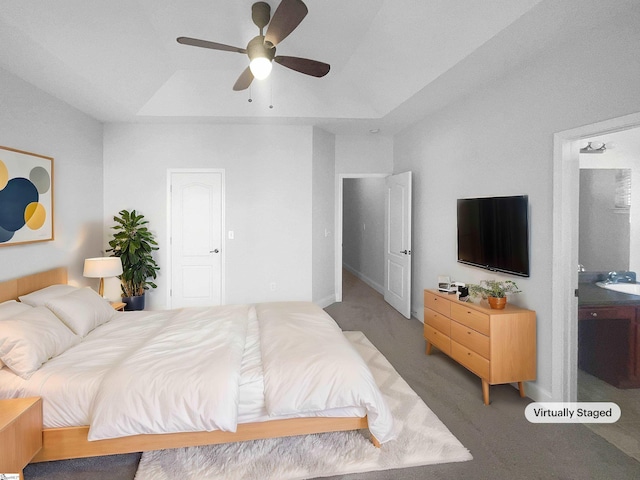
[(36, 122), (604, 231), (323, 211), (498, 140), (268, 175)]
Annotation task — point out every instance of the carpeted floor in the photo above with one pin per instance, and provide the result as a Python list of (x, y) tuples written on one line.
[(503, 443)]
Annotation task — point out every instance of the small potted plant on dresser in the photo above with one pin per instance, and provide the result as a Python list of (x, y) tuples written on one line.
[(134, 244), (494, 291)]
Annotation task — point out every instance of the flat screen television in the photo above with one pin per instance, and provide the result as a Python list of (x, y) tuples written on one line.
[(493, 233)]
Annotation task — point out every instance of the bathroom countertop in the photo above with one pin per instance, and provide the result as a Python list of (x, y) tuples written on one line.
[(590, 295)]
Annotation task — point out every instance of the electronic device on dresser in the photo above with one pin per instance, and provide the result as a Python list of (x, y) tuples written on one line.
[(446, 285), (493, 233)]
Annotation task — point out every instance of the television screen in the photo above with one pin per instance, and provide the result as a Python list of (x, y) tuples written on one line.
[(493, 233)]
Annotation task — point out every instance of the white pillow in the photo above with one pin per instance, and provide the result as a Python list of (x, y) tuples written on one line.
[(42, 296), (30, 338), (10, 308), (81, 310)]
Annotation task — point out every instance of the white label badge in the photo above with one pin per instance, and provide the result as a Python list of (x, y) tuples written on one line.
[(572, 412)]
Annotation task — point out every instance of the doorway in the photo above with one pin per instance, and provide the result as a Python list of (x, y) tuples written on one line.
[(373, 234), (196, 222), (570, 383), (567, 146)]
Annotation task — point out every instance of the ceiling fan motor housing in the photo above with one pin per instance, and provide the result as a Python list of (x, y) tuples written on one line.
[(257, 48)]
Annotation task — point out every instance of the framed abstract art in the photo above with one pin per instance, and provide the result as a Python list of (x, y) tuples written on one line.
[(26, 197)]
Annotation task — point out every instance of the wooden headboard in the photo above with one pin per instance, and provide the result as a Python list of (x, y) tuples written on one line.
[(12, 289)]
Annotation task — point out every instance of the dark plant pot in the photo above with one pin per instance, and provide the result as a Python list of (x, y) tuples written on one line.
[(133, 303), (496, 303)]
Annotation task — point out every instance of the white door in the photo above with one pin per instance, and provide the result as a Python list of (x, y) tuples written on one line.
[(397, 243), (196, 214)]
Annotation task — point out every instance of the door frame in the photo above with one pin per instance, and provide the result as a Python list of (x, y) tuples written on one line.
[(338, 226), (564, 306), (221, 171)]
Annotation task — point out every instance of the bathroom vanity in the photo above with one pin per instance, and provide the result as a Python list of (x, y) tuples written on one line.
[(609, 335)]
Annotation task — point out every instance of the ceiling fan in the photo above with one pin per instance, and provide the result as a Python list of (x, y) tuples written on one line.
[(261, 50)]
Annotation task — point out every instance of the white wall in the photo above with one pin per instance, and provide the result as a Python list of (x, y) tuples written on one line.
[(364, 154), (268, 174), (499, 141), (323, 209), (34, 121), (363, 229)]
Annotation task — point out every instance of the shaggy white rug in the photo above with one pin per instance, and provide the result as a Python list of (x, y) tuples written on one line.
[(423, 439)]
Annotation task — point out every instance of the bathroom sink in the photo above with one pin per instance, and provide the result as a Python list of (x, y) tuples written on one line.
[(630, 288)]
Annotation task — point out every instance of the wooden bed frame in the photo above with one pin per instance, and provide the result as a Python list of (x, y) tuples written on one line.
[(71, 442)]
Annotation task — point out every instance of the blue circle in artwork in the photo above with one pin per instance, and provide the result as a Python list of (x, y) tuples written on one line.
[(5, 235), (14, 198)]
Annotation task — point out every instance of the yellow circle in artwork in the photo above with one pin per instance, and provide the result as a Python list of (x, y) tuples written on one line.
[(4, 175), (35, 215)]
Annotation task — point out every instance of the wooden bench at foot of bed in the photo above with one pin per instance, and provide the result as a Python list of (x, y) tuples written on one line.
[(71, 442)]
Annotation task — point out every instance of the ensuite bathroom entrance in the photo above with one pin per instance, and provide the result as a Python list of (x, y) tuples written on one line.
[(608, 292)]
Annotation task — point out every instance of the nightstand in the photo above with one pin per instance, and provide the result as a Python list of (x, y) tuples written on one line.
[(118, 306), (20, 433)]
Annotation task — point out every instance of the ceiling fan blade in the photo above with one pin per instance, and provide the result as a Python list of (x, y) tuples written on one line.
[(304, 65), (194, 42), (285, 19), (244, 80)]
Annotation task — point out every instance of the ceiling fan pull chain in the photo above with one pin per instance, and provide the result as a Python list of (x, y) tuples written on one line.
[(250, 94), (271, 89)]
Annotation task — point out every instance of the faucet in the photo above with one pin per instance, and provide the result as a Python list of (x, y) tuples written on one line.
[(621, 277)]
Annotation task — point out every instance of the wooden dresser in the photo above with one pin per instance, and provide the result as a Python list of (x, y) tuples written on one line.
[(497, 345)]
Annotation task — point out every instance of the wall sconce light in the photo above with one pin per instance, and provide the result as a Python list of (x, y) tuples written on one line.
[(102, 267), (594, 147)]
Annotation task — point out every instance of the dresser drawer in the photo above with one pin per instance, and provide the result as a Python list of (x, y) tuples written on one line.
[(474, 362), (438, 339), (438, 304), (471, 318), (436, 320), (471, 339)]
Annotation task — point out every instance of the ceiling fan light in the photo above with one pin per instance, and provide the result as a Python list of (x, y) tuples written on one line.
[(260, 67)]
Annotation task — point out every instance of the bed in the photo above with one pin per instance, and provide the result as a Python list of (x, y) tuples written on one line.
[(109, 421)]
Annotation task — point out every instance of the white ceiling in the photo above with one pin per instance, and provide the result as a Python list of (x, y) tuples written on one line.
[(118, 60)]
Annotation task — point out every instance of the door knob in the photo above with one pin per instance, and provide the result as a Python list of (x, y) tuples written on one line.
[(406, 252), (214, 251)]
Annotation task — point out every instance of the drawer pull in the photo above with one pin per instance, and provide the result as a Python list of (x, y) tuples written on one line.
[(594, 314), (468, 332)]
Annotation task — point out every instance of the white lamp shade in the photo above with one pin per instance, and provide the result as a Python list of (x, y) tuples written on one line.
[(102, 267), (260, 67)]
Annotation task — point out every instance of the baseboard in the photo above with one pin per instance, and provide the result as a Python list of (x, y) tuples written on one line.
[(535, 393), (373, 284)]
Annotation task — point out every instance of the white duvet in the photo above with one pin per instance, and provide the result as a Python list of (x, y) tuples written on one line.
[(203, 369)]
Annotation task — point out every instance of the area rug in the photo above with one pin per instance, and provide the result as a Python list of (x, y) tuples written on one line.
[(422, 440)]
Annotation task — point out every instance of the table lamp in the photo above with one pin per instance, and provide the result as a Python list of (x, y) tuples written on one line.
[(102, 267)]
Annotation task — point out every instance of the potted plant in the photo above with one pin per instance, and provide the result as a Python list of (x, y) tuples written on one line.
[(494, 291), (134, 244)]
